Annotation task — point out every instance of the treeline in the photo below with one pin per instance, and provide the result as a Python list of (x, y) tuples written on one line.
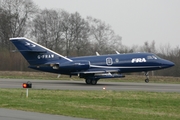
[(66, 33)]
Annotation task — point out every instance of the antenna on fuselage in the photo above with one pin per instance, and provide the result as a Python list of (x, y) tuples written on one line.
[(117, 52), (97, 54)]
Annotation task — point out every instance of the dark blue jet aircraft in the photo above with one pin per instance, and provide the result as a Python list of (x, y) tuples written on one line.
[(91, 68)]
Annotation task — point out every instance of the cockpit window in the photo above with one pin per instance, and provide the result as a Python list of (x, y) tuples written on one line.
[(149, 57), (152, 57), (156, 57)]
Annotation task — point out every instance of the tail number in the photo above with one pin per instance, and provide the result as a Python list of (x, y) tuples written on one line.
[(45, 56), (138, 60)]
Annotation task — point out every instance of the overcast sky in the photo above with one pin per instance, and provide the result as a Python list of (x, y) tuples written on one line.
[(136, 21)]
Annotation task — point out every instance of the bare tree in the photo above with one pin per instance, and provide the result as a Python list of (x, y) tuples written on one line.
[(103, 36), (4, 28), (61, 31), (81, 32), (47, 29), (68, 32), (18, 13), (75, 32), (149, 47)]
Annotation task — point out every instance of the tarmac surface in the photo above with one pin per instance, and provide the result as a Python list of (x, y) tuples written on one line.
[(7, 114), (80, 85)]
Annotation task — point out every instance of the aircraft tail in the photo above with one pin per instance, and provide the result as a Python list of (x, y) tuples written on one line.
[(34, 53)]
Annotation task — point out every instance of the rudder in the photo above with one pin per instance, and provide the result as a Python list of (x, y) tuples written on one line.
[(34, 53)]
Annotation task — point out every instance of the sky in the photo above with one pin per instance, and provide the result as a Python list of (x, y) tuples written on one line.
[(136, 21)]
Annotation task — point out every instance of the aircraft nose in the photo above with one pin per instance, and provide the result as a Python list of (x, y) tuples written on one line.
[(171, 64), (167, 63)]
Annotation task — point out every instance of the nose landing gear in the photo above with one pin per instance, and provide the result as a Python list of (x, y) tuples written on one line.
[(147, 77)]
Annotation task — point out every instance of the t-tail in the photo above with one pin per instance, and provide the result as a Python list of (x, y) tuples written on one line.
[(36, 54)]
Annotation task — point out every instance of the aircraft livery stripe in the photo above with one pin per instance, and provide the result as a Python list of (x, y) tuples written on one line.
[(122, 66)]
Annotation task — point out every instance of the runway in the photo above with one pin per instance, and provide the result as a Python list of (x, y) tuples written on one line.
[(80, 85), (7, 114)]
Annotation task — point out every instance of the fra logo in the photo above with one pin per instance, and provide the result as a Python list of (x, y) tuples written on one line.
[(138, 60)]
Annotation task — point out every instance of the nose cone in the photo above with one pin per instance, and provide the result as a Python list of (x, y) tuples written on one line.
[(171, 64), (167, 63)]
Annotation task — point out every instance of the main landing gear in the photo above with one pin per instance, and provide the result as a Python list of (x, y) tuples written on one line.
[(92, 81), (147, 77)]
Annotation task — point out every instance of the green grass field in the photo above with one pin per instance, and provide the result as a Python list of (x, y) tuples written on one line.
[(101, 105)]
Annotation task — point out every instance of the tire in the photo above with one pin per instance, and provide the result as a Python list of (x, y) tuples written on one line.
[(93, 81), (88, 81), (146, 80)]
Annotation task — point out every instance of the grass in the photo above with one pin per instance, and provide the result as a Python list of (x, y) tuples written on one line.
[(101, 105), (51, 76)]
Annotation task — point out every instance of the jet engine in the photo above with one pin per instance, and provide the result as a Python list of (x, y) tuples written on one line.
[(74, 65)]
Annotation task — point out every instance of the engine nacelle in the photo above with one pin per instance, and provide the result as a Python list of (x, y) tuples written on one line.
[(75, 65)]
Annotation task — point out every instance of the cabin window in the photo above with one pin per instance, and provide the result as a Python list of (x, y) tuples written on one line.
[(116, 60)]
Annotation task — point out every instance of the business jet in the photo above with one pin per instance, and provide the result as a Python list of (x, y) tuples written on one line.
[(91, 68)]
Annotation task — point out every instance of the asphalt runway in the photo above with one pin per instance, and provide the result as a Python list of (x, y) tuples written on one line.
[(6, 114), (80, 85)]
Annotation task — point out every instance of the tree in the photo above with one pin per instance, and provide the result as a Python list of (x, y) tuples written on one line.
[(4, 28), (149, 47), (75, 32), (47, 29), (103, 36), (81, 32), (17, 14)]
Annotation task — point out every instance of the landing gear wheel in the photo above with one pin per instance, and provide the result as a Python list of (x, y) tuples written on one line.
[(147, 77), (93, 81), (146, 80), (88, 81)]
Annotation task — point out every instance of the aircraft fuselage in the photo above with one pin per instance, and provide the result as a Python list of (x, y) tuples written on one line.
[(123, 63)]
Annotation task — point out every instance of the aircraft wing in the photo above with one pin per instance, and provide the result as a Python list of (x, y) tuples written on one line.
[(98, 74), (97, 71)]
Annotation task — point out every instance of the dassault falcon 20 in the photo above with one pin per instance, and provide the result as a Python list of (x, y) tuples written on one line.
[(91, 68)]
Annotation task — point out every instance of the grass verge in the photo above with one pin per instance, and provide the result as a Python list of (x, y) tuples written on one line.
[(101, 105)]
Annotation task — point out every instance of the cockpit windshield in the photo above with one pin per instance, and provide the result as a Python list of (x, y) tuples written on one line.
[(153, 57)]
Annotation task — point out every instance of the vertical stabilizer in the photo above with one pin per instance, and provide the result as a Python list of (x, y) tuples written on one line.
[(34, 53)]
